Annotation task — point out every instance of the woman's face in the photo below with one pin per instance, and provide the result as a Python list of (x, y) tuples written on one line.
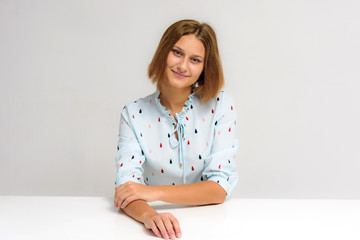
[(185, 62)]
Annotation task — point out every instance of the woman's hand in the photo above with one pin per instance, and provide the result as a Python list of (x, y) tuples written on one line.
[(163, 225), (130, 191)]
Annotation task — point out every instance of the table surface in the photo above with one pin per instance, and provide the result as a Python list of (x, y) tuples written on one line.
[(87, 218)]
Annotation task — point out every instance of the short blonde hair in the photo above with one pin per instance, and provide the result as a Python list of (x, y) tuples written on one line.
[(211, 79)]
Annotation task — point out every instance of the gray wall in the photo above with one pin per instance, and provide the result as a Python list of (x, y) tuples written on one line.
[(68, 67)]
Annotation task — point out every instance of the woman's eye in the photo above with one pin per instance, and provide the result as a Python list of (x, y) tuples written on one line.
[(177, 52), (196, 60)]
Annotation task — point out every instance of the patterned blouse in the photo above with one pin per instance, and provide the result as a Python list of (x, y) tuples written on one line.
[(150, 153)]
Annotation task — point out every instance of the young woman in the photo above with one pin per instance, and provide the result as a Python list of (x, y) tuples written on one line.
[(180, 141)]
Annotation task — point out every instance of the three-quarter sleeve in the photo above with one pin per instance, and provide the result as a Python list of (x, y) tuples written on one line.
[(129, 158), (220, 164)]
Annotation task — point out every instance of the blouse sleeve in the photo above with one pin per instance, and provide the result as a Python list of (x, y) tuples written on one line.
[(220, 164), (129, 158)]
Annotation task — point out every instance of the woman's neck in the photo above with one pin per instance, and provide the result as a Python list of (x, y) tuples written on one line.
[(173, 99)]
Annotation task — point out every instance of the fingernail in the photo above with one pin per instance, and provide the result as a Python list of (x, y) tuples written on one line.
[(172, 236), (178, 235), (166, 236)]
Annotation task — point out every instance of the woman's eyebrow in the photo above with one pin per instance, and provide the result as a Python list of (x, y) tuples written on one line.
[(193, 55)]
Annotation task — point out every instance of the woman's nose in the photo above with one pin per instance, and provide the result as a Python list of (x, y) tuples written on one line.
[(182, 66)]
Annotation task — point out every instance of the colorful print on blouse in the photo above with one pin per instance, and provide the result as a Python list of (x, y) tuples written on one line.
[(150, 153)]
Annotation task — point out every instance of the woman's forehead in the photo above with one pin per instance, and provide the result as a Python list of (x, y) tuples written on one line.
[(191, 44)]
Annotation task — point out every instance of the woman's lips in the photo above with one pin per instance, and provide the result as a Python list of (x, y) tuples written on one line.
[(179, 75)]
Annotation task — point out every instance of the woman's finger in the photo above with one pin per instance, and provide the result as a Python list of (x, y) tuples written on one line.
[(169, 227), (122, 196), (155, 230), (117, 197), (160, 225), (127, 200), (176, 226), (116, 200)]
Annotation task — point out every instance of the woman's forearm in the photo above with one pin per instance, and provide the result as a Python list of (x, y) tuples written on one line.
[(138, 209), (201, 193)]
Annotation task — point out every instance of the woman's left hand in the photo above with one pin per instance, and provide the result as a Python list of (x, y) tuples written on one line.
[(130, 191)]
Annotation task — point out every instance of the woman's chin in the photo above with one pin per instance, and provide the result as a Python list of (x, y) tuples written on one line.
[(179, 84)]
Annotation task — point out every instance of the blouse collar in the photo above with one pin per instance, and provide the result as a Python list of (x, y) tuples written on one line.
[(179, 116)]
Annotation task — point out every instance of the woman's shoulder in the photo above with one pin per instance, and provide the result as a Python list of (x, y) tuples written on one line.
[(216, 106), (140, 102), (221, 94), (142, 107), (221, 99), (224, 98)]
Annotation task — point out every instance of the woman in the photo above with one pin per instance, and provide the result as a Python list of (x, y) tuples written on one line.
[(180, 141)]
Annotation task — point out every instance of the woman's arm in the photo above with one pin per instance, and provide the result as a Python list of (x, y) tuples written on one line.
[(162, 224), (201, 193)]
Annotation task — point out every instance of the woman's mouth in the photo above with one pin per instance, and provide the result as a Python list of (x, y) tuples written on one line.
[(178, 75)]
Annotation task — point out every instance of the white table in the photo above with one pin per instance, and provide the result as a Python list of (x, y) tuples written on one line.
[(245, 219)]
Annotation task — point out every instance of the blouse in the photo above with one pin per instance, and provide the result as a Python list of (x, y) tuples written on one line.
[(149, 152)]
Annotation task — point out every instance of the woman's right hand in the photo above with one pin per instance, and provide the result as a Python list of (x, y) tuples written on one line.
[(163, 225)]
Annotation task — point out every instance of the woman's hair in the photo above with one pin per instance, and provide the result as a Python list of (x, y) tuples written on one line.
[(211, 79)]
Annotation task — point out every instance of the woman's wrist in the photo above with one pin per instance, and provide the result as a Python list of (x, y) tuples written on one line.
[(148, 214), (159, 193)]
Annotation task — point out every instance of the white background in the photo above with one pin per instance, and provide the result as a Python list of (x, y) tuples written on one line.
[(68, 67)]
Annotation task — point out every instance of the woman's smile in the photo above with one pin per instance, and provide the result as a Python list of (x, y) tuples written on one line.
[(179, 75)]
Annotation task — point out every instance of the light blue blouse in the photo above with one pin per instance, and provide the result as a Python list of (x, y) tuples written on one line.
[(148, 151)]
